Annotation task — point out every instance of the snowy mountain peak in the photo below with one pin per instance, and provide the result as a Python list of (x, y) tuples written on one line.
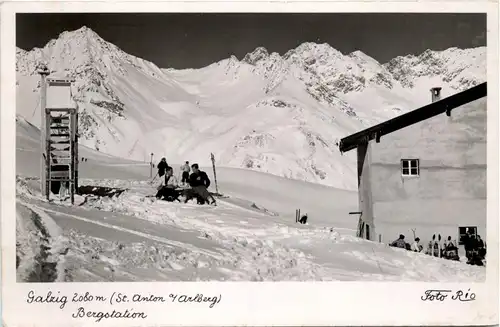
[(83, 33), (458, 67), (297, 105), (84, 41), (308, 48), (75, 52), (310, 51), (258, 54), (364, 58)]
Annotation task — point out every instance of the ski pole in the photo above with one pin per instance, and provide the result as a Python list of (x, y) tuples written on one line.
[(215, 175), (151, 182)]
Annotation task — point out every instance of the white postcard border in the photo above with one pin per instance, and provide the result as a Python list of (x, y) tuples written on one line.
[(249, 303)]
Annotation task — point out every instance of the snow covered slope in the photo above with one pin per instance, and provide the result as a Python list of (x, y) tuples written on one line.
[(277, 114), (135, 238), (328, 205), (28, 157), (251, 236)]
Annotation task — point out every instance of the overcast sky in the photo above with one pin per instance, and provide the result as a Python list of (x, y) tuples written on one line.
[(197, 40)]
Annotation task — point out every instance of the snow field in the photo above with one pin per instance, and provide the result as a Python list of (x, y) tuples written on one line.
[(245, 246), (249, 236)]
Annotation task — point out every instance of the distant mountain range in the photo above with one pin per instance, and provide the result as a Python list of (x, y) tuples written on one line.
[(281, 114)]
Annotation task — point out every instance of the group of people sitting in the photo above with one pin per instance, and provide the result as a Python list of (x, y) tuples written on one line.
[(447, 250), (475, 249), (169, 188), (402, 244), (433, 247)]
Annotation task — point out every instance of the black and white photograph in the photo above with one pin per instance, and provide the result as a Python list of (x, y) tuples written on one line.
[(251, 147), (191, 163)]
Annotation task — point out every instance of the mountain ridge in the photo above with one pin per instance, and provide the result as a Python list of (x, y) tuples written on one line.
[(304, 47), (278, 114)]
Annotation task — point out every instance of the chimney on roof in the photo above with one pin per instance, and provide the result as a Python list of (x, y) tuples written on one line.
[(436, 94)]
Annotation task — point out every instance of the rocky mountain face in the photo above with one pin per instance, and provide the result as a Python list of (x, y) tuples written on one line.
[(460, 69), (334, 79), (281, 114)]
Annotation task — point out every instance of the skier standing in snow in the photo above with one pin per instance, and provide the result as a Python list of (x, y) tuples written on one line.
[(469, 242), (162, 166), (199, 183), (185, 172)]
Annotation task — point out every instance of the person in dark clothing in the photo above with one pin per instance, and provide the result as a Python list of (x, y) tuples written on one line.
[(190, 194), (198, 177), (162, 167), (469, 244), (400, 242), (481, 248), (480, 243), (474, 250), (199, 183), (475, 260)]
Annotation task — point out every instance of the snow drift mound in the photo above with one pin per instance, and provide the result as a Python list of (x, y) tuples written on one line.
[(40, 246)]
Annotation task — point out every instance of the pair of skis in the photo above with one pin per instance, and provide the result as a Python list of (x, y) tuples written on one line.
[(297, 215), (435, 246)]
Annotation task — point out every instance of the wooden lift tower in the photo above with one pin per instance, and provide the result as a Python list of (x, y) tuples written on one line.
[(59, 141)]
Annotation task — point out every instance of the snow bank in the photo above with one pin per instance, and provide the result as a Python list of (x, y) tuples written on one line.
[(134, 237), (40, 246), (261, 247)]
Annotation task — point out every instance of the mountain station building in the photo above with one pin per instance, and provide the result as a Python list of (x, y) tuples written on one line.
[(425, 173)]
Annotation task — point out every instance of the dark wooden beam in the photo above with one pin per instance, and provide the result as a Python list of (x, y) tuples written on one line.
[(442, 106), (69, 110)]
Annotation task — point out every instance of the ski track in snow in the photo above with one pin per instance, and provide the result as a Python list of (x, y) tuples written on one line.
[(254, 242), (254, 260)]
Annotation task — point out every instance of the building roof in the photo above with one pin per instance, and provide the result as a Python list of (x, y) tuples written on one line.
[(433, 109), (54, 80)]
